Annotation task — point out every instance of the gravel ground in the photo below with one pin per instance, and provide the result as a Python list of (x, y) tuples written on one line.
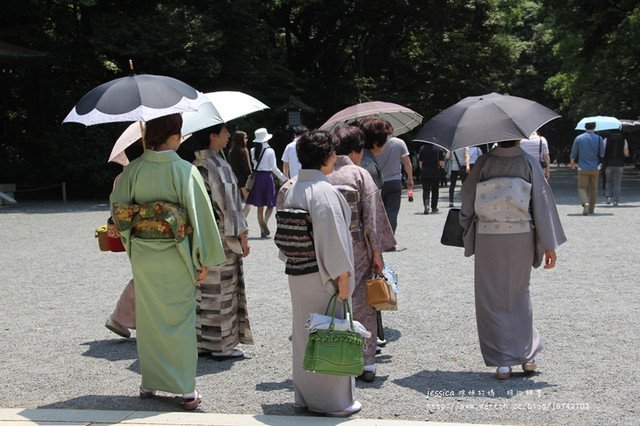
[(57, 290)]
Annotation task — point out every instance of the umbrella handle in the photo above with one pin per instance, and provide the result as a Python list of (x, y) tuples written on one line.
[(143, 131)]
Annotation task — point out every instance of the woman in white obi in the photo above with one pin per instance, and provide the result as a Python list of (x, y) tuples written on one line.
[(313, 284), (511, 223)]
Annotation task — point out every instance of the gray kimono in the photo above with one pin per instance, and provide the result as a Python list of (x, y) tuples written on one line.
[(503, 260), (330, 216)]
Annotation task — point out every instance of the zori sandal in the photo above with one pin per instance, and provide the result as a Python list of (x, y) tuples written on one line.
[(146, 394), (191, 404)]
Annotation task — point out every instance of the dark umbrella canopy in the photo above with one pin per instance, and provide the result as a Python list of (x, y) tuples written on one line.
[(489, 118), (135, 98), (630, 126)]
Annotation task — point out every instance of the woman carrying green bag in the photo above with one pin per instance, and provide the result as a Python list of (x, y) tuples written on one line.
[(332, 351), (313, 280)]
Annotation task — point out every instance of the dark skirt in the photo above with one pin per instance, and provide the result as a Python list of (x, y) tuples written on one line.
[(263, 193)]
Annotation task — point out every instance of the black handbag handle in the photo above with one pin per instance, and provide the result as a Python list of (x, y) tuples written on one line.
[(457, 161), (255, 169)]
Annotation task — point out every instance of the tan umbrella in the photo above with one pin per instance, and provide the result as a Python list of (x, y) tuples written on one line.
[(401, 118)]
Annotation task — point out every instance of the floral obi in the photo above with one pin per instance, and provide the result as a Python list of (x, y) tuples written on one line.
[(354, 200), (152, 221), (502, 205)]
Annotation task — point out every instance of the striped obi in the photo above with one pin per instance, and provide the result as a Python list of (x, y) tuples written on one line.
[(294, 238), (356, 227), (502, 206), (156, 220)]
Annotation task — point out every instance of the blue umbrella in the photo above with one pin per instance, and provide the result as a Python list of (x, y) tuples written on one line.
[(602, 123)]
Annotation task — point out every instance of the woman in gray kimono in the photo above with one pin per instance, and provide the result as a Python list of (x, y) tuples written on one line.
[(511, 223), (370, 230), (333, 271), (222, 317)]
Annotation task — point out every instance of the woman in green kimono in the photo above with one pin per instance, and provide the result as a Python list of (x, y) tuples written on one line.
[(167, 226)]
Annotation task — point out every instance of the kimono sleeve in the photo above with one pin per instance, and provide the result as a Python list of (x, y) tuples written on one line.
[(377, 229), (467, 207), (121, 193), (330, 216), (206, 247), (227, 196), (548, 229)]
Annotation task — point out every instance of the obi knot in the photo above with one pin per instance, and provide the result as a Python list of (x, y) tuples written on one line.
[(155, 220)]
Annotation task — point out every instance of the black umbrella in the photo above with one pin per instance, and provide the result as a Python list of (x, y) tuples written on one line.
[(139, 97), (630, 126), (489, 118)]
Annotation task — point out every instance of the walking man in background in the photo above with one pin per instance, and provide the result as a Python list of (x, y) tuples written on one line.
[(290, 163), (391, 159), (615, 149), (431, 160), (587, 148), (537, 147)]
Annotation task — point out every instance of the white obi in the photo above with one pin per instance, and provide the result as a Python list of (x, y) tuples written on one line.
[(502, 206)]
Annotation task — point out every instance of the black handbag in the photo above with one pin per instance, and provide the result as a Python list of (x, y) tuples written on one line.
[(462, 171), (452, 232), (543, 163)]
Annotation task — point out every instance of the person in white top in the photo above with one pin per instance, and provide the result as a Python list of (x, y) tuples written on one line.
[(459, 160), (290, 164), (537, 147), (474, 154), (263, 193)]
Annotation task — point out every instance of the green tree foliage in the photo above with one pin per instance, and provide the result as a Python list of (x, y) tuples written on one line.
[(425, 54), (597, 46), (402, 51)]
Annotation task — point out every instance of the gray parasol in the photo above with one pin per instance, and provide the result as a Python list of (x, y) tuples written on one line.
[(489, 118)]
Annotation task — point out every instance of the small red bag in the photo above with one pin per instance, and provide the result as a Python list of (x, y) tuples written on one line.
[(113, 235)]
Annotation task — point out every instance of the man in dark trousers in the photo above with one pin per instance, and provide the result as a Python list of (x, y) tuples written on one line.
[(431, 159), (615, 149)]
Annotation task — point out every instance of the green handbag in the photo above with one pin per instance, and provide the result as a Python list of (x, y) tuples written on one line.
[(335, 352)]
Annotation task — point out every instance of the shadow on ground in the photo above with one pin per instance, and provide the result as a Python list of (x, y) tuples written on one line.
[(112, 349), (124, 349), (132, 402), (483, 384)]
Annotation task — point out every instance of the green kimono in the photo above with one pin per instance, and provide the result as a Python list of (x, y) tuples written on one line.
[(165, 270)]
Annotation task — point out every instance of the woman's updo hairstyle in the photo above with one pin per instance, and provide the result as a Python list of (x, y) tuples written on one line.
[(160, 129)]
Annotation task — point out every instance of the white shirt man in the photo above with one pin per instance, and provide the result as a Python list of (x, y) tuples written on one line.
[(537, 147), (290, 164)]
